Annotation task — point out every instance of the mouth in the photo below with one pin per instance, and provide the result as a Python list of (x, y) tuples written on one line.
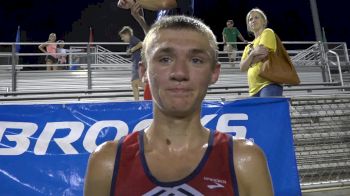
[(179, 91)]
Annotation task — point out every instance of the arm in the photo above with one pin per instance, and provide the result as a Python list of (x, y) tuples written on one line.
[(135, 48), (158, 4), (242, 38), (267, 43), (251, 169), (223, 38), (153, 5), (137, 13), (42, 47), (100, 170), (258, 54)]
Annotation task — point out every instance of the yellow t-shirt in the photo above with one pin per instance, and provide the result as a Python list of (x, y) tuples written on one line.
[(256, 83)]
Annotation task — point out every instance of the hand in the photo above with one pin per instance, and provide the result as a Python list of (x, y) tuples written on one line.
[(260, 53), (245, 41), (125, 4), (137, 11), (129, 51)]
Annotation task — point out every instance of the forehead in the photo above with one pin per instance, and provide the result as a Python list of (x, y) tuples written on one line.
[(178, 38), (255, 14)]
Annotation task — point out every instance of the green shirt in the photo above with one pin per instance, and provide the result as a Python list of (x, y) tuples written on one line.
[(231, 35)]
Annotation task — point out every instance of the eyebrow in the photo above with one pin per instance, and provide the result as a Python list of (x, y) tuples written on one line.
[(166, 50), (199, 51), (194, 51)]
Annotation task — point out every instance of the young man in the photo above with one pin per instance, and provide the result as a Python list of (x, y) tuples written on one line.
[(176, 155), (229, 35), (134, 48)]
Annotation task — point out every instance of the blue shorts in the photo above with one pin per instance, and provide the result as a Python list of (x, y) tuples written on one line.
[(271, 90)]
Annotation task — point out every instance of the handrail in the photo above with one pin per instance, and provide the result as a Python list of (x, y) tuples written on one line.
[(339, 66), (128, 94), (103, 59)]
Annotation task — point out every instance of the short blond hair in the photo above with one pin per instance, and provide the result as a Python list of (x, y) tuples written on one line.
[(180, 23), (261, 13)]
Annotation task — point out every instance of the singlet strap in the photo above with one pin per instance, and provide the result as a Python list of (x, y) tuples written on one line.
[(116, 165), (232, 166)]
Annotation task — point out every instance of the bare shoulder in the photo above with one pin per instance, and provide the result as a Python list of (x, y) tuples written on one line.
[(246, 148), (102, 159), (251, 169), (100, 169), (104, 151)]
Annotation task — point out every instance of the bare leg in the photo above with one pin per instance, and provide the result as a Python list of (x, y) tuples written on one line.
[(49, 63)]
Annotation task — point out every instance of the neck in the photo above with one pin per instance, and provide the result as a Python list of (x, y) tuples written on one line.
[(258, 32), (176, 134)]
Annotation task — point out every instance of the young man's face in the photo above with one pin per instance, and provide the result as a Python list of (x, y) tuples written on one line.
[(125, 37), (180, 68), (229, 24)]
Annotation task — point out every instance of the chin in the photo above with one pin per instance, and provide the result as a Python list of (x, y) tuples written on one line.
[(179, 113)]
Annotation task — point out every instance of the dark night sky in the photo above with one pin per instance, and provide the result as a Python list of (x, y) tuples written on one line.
[(71, 19)]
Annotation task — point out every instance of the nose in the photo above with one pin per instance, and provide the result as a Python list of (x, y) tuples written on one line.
[(180, 71)]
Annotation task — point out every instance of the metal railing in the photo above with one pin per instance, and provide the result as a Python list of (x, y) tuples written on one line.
[(108, 68), (336, 63), (321, 130)]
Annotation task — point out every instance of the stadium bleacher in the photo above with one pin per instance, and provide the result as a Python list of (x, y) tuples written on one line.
[(320, 105)]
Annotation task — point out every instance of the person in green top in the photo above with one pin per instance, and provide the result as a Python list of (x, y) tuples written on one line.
[(230, 34)]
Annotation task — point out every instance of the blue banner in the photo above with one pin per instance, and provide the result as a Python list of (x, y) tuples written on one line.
[(44, 148)]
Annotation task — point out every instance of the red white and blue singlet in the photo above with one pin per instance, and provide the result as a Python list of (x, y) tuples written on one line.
[(214, 175)]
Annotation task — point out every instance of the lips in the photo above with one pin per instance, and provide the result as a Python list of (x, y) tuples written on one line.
[(179, 90)]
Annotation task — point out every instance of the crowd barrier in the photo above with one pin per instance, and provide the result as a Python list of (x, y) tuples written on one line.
[(44, 148)]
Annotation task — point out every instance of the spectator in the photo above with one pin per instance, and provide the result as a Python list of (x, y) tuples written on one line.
[(176, 155), (50, 48), (61, 53), (75, 62), (134, 49), (229, 36), (255, 53)]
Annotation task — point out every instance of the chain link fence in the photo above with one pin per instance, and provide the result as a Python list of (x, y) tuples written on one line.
[(321, 127)]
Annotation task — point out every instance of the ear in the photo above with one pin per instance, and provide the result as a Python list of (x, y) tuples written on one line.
[(142, 69), (215, 74)]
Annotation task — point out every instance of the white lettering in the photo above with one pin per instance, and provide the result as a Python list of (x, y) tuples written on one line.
[(65, 143), (207, 118), (76, 130), (223, 124), (21, 139)]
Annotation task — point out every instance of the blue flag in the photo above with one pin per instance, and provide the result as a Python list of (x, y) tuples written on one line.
[(18, 39)]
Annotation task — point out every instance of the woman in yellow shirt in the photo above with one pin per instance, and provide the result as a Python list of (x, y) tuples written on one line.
[(256, 52)]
